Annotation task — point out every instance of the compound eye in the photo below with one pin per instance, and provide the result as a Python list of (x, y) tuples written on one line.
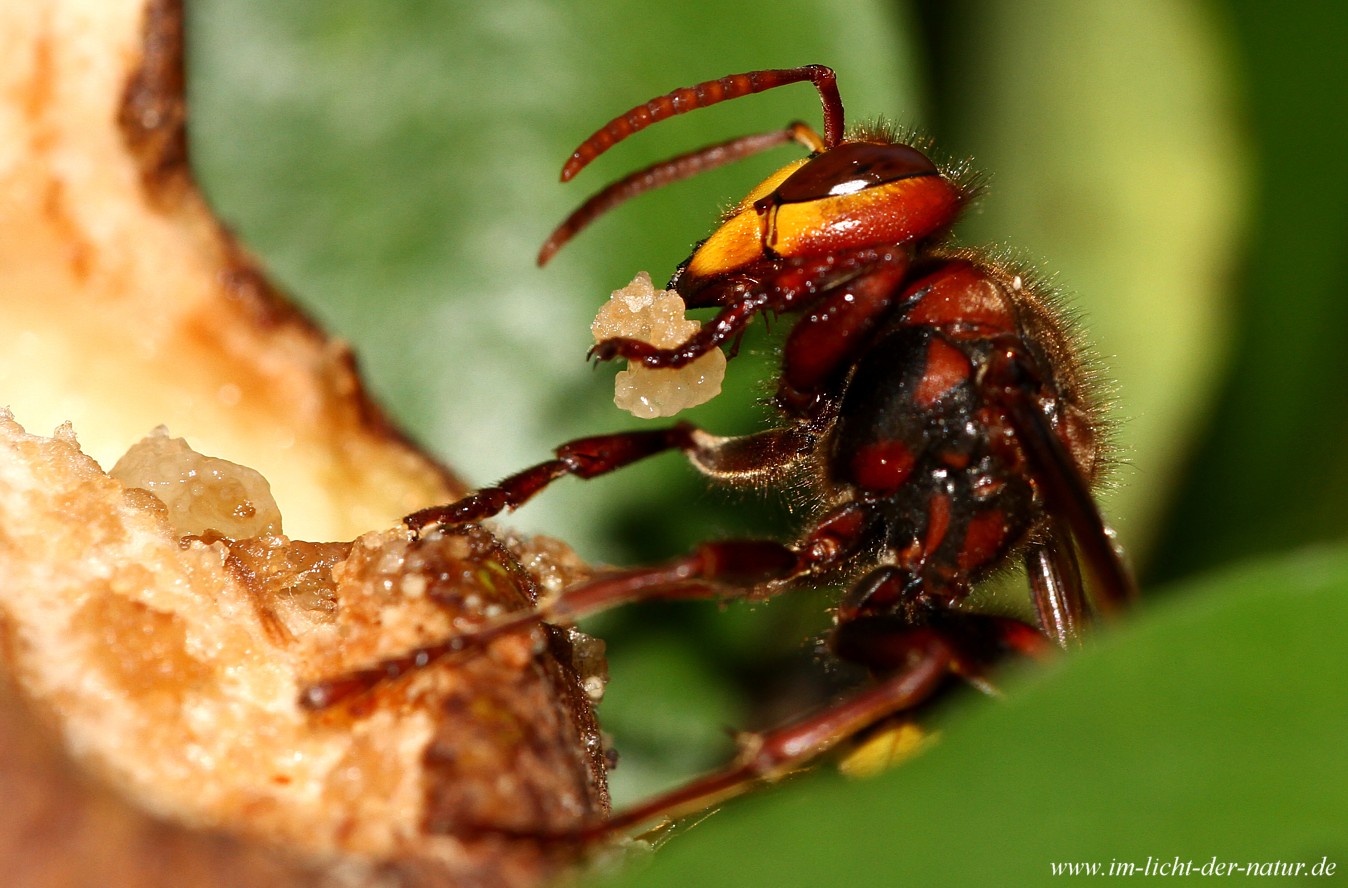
[(852, 167)]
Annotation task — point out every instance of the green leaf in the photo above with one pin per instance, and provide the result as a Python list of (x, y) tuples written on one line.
[(1211, 724), (1272, 470)]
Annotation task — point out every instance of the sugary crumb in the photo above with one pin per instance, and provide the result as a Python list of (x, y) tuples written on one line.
[(639, 311), (202, 493)]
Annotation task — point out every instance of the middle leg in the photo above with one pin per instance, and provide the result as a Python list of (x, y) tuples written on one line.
[(726, 458), (728, 568)]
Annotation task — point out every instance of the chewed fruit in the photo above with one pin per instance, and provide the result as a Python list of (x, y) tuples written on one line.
[(202, 493), (639, 311)]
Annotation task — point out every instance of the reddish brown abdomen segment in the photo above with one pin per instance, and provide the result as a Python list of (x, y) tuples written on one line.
[(918, 435)]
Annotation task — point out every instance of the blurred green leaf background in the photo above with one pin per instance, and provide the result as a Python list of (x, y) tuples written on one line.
[(1175, 167)]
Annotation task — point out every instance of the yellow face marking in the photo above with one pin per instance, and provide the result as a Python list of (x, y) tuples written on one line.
[(807, 227), (739, 240)]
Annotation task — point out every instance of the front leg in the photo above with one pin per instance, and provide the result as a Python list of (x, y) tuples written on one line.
[(728, 324), (770, 285)]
